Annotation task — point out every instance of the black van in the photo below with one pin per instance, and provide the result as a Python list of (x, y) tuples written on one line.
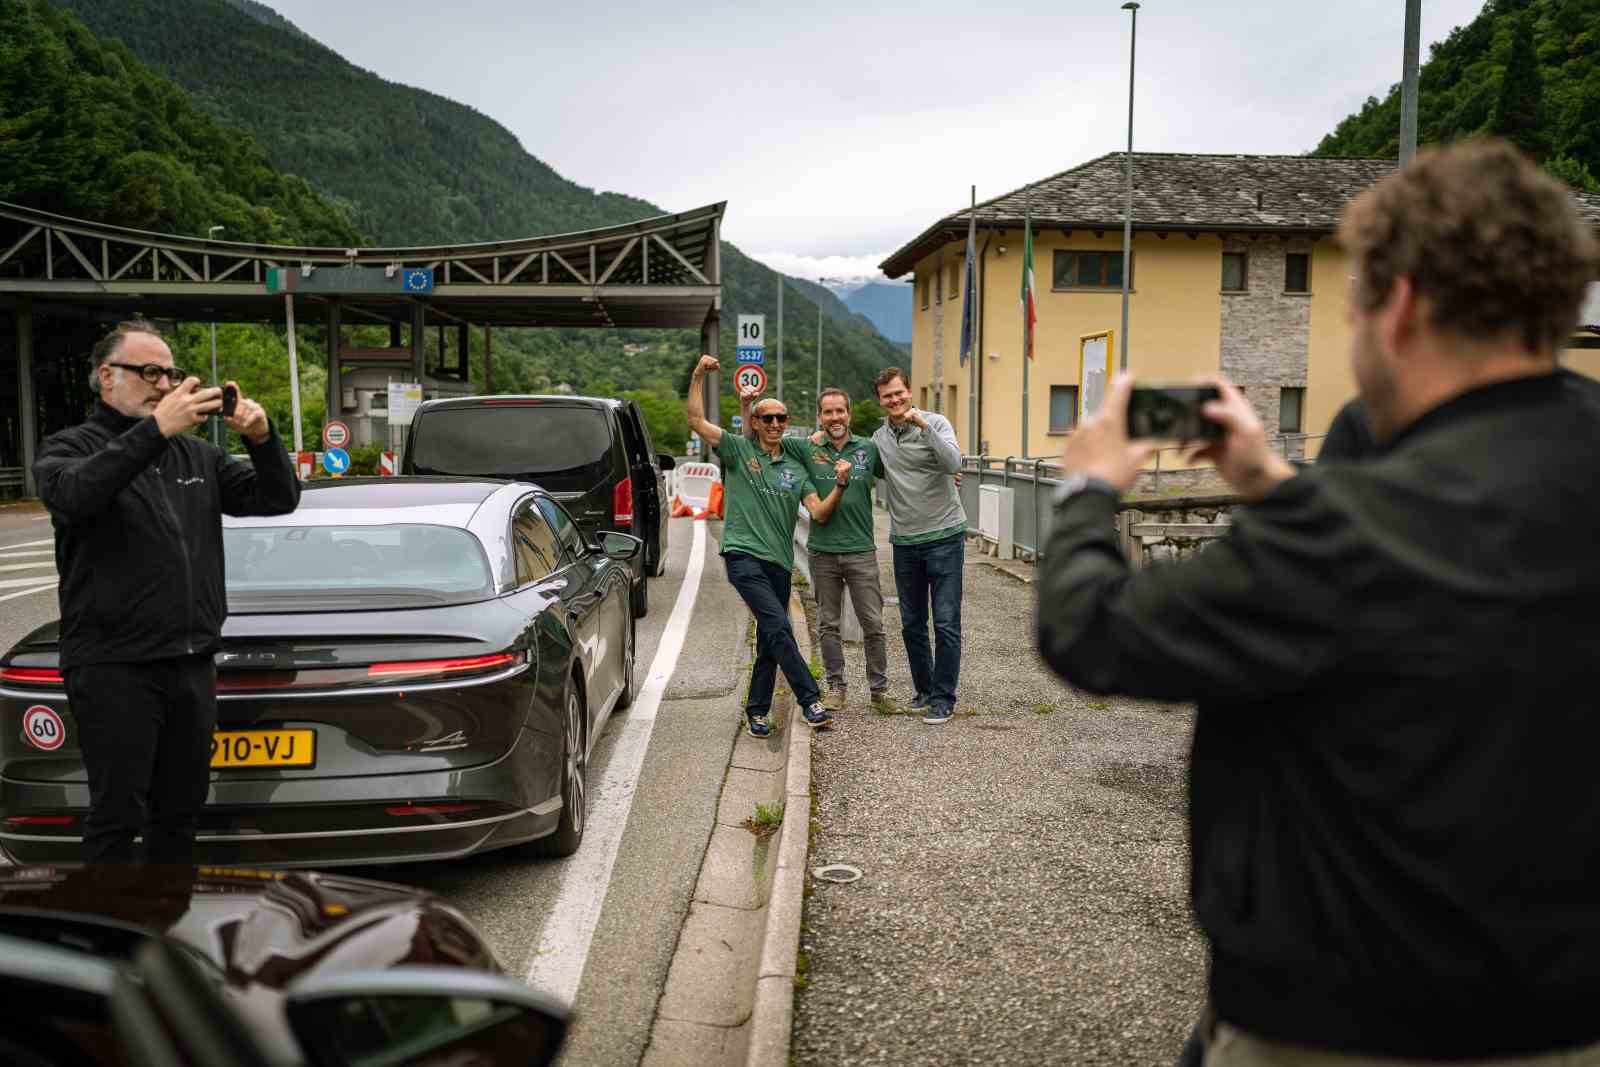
[(591, 453)]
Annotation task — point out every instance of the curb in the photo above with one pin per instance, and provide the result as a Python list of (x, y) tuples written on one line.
[(728, 1000)]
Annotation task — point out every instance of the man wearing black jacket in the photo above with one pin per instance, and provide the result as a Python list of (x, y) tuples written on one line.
[(1394, 825), (137, 507)]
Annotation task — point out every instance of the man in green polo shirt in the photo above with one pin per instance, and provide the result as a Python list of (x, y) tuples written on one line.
[(765, 488), (843, 552)]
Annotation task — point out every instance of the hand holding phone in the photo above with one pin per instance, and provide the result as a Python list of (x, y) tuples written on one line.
[(230, 400)]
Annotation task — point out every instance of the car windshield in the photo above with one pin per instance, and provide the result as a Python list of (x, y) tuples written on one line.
[(525, 440), (331, 568)]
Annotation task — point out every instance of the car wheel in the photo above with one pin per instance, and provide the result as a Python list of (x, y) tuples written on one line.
[(640, 598), (574, 797), (628, 637)]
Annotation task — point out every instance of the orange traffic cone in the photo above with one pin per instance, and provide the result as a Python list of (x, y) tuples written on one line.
[(680, 510), (714, 506)]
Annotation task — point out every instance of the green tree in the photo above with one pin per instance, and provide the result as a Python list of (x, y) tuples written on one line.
[(865, 416), (1518, 113)]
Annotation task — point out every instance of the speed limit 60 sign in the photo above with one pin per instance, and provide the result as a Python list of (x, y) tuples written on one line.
[(750, 378), (43, 728)]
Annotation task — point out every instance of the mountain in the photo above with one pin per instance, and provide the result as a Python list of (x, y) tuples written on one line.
[(412, 167), (1527, 70), (887, 305)]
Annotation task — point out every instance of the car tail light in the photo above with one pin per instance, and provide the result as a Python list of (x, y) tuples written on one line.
[(430, 809), (415, 668), (622, 502), (31, 675), (40, 820)]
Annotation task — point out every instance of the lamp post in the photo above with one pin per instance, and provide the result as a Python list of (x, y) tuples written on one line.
[(216, 420), (1408, 82), (823, 282), (1127, 214)]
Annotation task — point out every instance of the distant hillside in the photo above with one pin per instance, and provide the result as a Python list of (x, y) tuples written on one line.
[(887, 305), (1526, 70), (413, 167)]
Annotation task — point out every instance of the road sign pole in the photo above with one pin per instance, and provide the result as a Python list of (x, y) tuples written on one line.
[(780, 338), (294, 372)]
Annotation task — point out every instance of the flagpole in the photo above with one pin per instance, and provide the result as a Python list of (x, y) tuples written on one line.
[(971, 340), (1027, 340)]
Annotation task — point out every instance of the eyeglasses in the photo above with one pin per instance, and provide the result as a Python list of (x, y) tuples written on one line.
[(154, 372), (771, 417)]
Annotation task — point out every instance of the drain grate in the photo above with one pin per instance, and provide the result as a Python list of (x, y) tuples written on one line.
[(838, 873)]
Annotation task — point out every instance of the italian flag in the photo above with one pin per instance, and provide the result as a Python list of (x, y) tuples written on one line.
[(1030, 311)]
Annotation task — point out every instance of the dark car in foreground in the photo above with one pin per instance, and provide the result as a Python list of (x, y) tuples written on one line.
[(593, 454), (219, 966), (411, 669)]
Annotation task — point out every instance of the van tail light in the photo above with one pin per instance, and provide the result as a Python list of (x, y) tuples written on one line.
[(420, 668), (401, 810), (40, 820), (622, 502), (32, 676)]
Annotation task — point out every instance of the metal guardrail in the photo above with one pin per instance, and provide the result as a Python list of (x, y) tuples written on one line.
[(1031, 481)]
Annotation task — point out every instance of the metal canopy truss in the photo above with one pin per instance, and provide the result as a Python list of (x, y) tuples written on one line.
[(663, 272)]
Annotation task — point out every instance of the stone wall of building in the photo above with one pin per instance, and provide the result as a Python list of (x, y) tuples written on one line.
[(1266, 332), (1146, 547)]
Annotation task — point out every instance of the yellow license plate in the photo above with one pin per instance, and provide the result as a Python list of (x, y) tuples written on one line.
[(263, 748)]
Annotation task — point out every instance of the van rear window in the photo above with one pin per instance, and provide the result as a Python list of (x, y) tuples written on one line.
[(526, 442)]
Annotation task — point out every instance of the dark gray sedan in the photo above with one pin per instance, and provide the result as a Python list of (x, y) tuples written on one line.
[(412, 669)]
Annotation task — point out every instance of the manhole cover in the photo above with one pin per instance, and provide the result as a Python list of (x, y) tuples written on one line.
[(841, 873)]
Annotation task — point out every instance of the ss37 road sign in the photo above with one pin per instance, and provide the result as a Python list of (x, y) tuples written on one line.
[(750, 377), (750, 344)]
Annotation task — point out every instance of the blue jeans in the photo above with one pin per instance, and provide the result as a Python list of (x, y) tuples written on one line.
[(765, 589), (924, 573)]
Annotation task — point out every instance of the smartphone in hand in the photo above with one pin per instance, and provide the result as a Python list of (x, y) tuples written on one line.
[(1172, 412), (230, 400)]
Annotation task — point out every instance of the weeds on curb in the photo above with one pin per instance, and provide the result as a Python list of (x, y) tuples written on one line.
[(766, 821), (967, 713), (1043, 709), (802, 969)]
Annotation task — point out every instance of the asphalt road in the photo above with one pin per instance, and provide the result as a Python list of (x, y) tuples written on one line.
[(601, 925)]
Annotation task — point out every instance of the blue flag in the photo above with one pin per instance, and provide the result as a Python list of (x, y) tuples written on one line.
[(969, 294)]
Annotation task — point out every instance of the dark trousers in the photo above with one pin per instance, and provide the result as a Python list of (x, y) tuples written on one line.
[(145, 733), (765, 589), (924, 575)]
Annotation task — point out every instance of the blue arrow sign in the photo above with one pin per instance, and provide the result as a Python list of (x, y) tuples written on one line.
[(738, 422), (335, 461), (750, 354), (417, 279)]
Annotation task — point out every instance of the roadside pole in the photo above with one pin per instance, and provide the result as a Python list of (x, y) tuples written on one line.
[(294, 373), (780, 338), (1408, 82)]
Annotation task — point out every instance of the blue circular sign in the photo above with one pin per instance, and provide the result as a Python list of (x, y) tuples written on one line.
[(335, 461)]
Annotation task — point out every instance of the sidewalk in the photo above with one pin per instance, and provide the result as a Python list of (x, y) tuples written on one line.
[(1024, 898)]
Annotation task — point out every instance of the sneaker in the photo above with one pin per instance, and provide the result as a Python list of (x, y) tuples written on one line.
[(817, 717), (758, 725), (937, 716), (835, 699)]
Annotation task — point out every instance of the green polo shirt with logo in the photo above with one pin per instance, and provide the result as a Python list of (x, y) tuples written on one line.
[(849, 529), (763, 502)]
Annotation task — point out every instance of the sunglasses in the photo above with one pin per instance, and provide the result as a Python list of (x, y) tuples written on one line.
[(771, 417), (154, 372)]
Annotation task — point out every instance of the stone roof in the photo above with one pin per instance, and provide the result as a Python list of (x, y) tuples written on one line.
[(1185, 193)]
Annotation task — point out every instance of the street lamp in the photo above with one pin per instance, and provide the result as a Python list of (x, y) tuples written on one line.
[(823, 282), (1127, 215), (216, 420)]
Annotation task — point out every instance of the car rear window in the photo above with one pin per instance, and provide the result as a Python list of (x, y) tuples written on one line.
[(329, 568), (536, 442)]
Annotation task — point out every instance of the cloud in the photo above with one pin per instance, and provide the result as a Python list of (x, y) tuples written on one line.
[(858, 269)]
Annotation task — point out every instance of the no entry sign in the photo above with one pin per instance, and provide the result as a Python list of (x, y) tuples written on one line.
[(335, 434)]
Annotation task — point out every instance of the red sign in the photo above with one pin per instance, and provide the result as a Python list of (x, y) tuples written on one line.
[(305, 461), (750, 377), (335, 434), (43, 728), (386, 464)]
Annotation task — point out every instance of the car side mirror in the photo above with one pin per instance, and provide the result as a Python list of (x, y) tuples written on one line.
[(620, 546), (410, 1014), (666, 461)]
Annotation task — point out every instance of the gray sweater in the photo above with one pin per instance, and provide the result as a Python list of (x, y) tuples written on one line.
[(918, 472)]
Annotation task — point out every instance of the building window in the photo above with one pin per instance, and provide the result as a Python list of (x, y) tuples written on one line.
[(1087, 270), (955, 279), (922, 398), (1291, 403), (1235, 271), (1063, 408), (1297, 273), (922, 290)]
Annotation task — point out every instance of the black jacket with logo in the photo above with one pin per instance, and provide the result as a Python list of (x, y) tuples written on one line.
[(1394, 815), (138, 524)]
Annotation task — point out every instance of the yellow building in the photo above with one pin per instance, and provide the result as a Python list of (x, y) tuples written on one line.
[(1234, 269)]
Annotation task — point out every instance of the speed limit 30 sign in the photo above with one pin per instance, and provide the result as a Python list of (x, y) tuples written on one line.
[(750, 378), (43, 728)]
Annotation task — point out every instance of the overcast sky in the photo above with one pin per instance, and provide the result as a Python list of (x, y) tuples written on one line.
[(839, 131)]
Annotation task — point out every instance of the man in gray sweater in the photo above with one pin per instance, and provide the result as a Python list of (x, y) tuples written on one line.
[(927, 528)]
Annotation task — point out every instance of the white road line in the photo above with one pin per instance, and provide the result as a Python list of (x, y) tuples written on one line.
[(27, 566), (35, 579), (28, 544), (563, 948), (39, 518), (26, 592), (6, 553)]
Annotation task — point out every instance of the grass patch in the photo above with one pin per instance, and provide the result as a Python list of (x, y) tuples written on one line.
[(1043, 709), (1099, 705), (816, 667), (802, 969), (766, 821), (968, 713)]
